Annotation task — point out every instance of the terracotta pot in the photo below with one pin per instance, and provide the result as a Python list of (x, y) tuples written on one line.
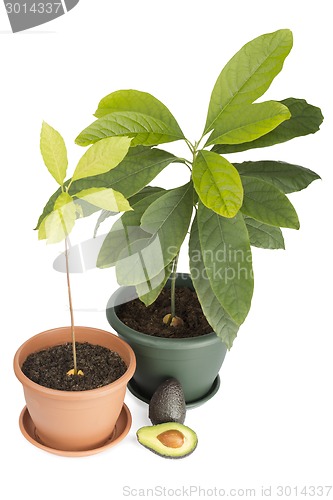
[(194, 361), (68, 420)]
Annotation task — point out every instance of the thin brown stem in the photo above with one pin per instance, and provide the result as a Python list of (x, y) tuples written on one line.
[(173, 286), (70, 307)]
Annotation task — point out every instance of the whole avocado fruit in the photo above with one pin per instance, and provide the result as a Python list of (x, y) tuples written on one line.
[(167, 404)]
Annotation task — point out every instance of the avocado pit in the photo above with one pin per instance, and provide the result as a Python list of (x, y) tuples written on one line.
[(172, 438)]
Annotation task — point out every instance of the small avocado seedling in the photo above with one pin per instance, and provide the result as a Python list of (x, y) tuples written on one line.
[(167, 404), (65, 207), (169, 440)]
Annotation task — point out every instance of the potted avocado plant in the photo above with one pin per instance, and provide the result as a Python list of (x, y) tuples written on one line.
[(225, 206), (75, 378)]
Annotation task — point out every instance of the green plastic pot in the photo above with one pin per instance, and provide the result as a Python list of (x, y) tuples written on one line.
[(195, 361)]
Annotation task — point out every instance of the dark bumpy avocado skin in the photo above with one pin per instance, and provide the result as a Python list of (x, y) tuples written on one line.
[(149, 438), (168, 403)]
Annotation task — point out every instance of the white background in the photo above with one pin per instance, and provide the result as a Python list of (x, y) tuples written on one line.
[(271, 421)]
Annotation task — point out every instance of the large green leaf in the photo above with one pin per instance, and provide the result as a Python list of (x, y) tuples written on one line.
[(140, 166), (285, 176), (305, 119), (227, 258), (266, 203), (107, 199), (264, 236), (248, 74), (219, 320), (105, 214), (166, 221), (145, 128), (102, 157), (125, 231), (54, 152), (217, 183), (249, 123), (139, 102), (59, 223)]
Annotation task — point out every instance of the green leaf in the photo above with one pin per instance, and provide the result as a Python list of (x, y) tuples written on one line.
[(248, 74), (54, 152), (219, 320), (59, 223), (266, 203), (285, 176), (144, 129), (108, 199), (305, 119), (105, 214), (149, 290), (125, 231), (166, 220), (138, 102), (227, 258), (217, 183), (102, 157), (264, 236), (134, 114), (48, 207), (139, 167), (253, 121)]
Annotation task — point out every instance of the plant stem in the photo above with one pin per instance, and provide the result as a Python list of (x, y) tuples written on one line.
[(173, 286), (70, 307)]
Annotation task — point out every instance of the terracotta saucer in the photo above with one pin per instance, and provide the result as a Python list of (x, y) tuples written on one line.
[(121, 429), (134, 389)]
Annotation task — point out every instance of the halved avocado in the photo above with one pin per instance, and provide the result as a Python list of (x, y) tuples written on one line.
[(169, 440)]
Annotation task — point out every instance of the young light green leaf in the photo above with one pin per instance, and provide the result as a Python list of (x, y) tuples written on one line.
[(166, 221), (59, 223), (108, 199), (266, 203), (145, 130), (220, 321), (102, 157), (254, 120), (248, 74), (217, 183), (264, 236), (138, 102), (227, 258), (285, 176), (305, 119), (125, 231), (54, 152)]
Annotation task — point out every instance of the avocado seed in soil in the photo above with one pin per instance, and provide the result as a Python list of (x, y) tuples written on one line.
[(49, 367), (149, 320)]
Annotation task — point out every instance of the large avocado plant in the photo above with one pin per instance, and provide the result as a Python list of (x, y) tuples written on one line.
[(226, 206)]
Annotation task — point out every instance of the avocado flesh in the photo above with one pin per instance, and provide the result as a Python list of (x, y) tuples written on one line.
[(167, 404), (182, 439)]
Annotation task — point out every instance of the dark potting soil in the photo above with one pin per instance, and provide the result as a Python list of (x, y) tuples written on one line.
[(149, 320), (49, 367)]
